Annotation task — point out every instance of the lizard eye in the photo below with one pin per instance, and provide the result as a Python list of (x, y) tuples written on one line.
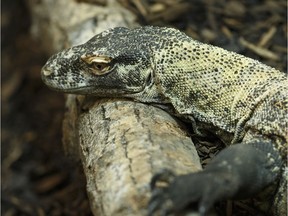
[(97, 64), (98, 68)]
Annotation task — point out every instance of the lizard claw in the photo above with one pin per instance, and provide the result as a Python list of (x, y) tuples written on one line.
[(160, 201), (165, 176), (171, 193)]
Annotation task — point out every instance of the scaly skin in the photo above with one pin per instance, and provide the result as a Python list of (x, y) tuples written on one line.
[(239, 99)]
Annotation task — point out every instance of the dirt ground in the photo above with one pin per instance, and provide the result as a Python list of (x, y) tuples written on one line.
[(37, 179)]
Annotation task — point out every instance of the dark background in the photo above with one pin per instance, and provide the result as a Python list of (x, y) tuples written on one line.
[(37, 179)]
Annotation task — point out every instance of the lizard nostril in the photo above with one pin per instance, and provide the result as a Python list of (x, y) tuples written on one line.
[(46, 71)]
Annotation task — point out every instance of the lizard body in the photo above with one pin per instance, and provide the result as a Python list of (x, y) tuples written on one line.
[(234, 97)]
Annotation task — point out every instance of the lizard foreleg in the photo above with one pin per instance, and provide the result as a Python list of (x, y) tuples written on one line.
[(237, 172)]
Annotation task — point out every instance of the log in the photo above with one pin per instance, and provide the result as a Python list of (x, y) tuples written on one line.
[(121, 143)]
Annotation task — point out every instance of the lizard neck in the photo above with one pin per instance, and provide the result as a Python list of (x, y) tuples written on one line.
[(209, 82)]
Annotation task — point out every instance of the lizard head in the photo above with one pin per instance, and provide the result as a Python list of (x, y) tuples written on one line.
[(115, 62)]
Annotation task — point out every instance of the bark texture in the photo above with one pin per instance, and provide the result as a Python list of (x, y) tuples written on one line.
[(122, 145)]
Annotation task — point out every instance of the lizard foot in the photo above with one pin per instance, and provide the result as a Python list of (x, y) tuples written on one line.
[(203, 188), (160, 200)]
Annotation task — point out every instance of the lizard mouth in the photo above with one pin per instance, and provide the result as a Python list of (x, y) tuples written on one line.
[(99, 91)]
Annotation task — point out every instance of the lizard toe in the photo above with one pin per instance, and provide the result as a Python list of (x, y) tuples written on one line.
[(162, 178)]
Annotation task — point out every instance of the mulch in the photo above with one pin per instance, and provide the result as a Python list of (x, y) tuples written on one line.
[(36, 177)]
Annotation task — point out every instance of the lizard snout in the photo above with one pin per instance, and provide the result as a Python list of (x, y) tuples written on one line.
[(46, 71)]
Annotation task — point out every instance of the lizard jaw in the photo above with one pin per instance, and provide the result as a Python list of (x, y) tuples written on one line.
[(85, 89)]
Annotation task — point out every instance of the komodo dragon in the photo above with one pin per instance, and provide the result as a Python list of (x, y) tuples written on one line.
[(238, 99)]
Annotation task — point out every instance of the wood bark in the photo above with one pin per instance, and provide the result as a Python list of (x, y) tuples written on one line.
[(121, 143)]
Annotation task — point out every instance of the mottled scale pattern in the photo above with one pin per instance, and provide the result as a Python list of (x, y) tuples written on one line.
[(224, 89), (220, 89), (237, 98)]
